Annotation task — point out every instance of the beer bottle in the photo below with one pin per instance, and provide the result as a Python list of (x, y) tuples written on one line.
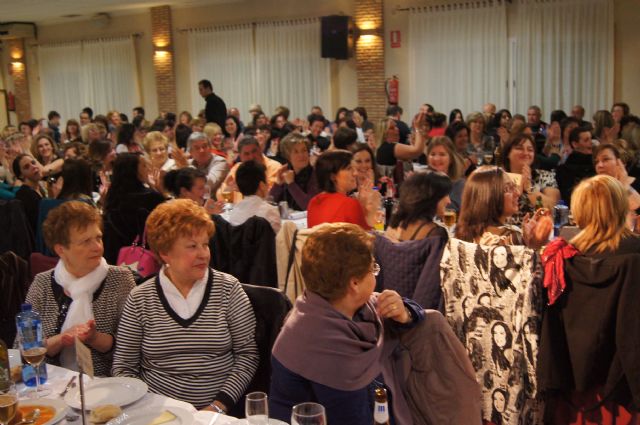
[(381, 408), (539, 204), (5, 371)]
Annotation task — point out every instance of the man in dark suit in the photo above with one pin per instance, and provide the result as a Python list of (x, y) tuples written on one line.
[(215, 109)]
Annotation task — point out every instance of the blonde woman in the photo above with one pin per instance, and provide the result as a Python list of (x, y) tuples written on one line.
[(592, 289), (156, 145)]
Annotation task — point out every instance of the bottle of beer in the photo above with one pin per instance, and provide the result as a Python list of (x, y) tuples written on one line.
[(539, 204), (5, 371), (381, 408)]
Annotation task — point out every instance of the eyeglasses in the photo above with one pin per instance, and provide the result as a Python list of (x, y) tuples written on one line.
[(375, 269)]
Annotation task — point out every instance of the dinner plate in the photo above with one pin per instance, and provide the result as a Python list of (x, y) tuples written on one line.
[(59, 406), (246, 422), (145, 416), (118, 391)]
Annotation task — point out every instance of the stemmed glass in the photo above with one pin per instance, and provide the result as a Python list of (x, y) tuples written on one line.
[(449, 218), (308, 414), (256, 408), (33, 351), (488, 145), (8, 404)]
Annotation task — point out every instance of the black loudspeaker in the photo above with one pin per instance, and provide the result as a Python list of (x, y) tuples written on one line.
[(337, 40)]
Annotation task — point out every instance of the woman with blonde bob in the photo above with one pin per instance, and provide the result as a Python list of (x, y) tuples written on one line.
[(189, 321), (600, 206)]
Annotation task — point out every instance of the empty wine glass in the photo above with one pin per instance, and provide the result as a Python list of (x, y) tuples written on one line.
[(8, 404), (256, 408), (308, 414)]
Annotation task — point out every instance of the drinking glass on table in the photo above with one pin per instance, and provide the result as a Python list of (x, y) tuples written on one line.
[(256, 408), (227, 197), (33, 352), (449, 218), (308, 414), (8, 404)]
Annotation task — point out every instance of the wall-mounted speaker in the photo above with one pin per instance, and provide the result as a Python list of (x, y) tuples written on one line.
[(337, 36)]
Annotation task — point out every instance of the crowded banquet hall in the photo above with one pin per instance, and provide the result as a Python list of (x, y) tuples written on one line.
[(347, 212)]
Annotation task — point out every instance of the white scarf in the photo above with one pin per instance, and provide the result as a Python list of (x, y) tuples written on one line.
[(81, 291)]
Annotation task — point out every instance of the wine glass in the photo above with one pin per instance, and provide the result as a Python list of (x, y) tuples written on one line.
[(33, 351), (256, 408), (8, 404), (308, 414)]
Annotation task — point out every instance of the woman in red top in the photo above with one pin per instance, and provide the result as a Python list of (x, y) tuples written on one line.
[(336, 178)]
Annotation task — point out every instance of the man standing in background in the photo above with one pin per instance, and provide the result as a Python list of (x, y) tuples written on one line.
[(215, 109)]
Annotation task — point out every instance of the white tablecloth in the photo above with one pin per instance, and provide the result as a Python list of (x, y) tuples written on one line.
[(58, 378)]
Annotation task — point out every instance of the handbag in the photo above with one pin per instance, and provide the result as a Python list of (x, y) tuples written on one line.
[(137, 258)]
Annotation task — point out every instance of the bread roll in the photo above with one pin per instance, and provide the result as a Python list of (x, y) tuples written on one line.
[(103, 414)]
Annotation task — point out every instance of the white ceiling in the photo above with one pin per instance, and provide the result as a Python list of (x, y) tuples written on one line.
[(53, 11)]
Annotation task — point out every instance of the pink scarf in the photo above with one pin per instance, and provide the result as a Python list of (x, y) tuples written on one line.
[(553, 258)]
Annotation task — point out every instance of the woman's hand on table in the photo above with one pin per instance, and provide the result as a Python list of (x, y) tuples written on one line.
[(217, 407), (391, 306)]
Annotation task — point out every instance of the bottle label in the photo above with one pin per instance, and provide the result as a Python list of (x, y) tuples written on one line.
[(381, 413)]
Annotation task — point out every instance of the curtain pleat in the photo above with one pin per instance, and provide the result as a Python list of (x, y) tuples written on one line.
[(289, 68), (458, 56), (565, 54), (101, 74), (224, 56)]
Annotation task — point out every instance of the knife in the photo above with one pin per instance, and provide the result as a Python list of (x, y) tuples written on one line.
[(70, 385)]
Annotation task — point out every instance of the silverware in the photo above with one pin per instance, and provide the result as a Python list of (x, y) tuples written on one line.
[(70, 385)]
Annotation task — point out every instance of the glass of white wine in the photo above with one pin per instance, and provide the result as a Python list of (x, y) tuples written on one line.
[(8, 404), (33, 351), (308, 414), (256, 408)]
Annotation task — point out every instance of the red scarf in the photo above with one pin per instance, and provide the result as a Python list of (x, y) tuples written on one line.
[(553, 261)]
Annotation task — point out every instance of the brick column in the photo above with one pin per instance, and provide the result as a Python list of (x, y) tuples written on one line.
[(370, 58), (18, 67), (162, 38)]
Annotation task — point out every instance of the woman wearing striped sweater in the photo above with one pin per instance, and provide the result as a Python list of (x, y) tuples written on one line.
[(189, 333)]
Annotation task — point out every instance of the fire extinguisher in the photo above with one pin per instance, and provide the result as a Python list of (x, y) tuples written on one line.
[(11, 101), (392, 87)]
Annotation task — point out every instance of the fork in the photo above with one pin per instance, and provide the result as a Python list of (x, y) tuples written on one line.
[(70, 384)]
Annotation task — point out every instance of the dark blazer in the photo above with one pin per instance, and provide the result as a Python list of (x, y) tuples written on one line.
[(215, 110), (247, 252), (577, 167), (590, 336)]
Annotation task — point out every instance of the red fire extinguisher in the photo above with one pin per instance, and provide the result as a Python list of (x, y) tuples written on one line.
[(11, 101), (392, 87)]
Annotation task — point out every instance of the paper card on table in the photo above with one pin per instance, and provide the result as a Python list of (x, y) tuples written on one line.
[(83, 357)]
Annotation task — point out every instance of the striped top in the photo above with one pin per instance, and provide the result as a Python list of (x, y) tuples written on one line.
[(49, 300), (210, 356)]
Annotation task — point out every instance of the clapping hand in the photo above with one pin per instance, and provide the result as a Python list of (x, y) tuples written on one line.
[(536, 229)]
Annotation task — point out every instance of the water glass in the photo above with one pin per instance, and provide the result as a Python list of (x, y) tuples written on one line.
[(308, 414), (256, 408)]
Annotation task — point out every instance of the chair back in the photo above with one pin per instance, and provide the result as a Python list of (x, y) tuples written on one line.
[(407, 267), (493, 300), (289, 243), (247, 251), (41, 263), (14, 284), (271, 307), (46, 205), (17, 235)]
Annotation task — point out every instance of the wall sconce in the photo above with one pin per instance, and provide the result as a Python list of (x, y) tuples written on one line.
[(17, 64), (162, 52)]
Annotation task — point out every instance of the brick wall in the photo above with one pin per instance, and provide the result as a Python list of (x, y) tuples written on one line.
[(163, 66), (370, 58), (20, 81)]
